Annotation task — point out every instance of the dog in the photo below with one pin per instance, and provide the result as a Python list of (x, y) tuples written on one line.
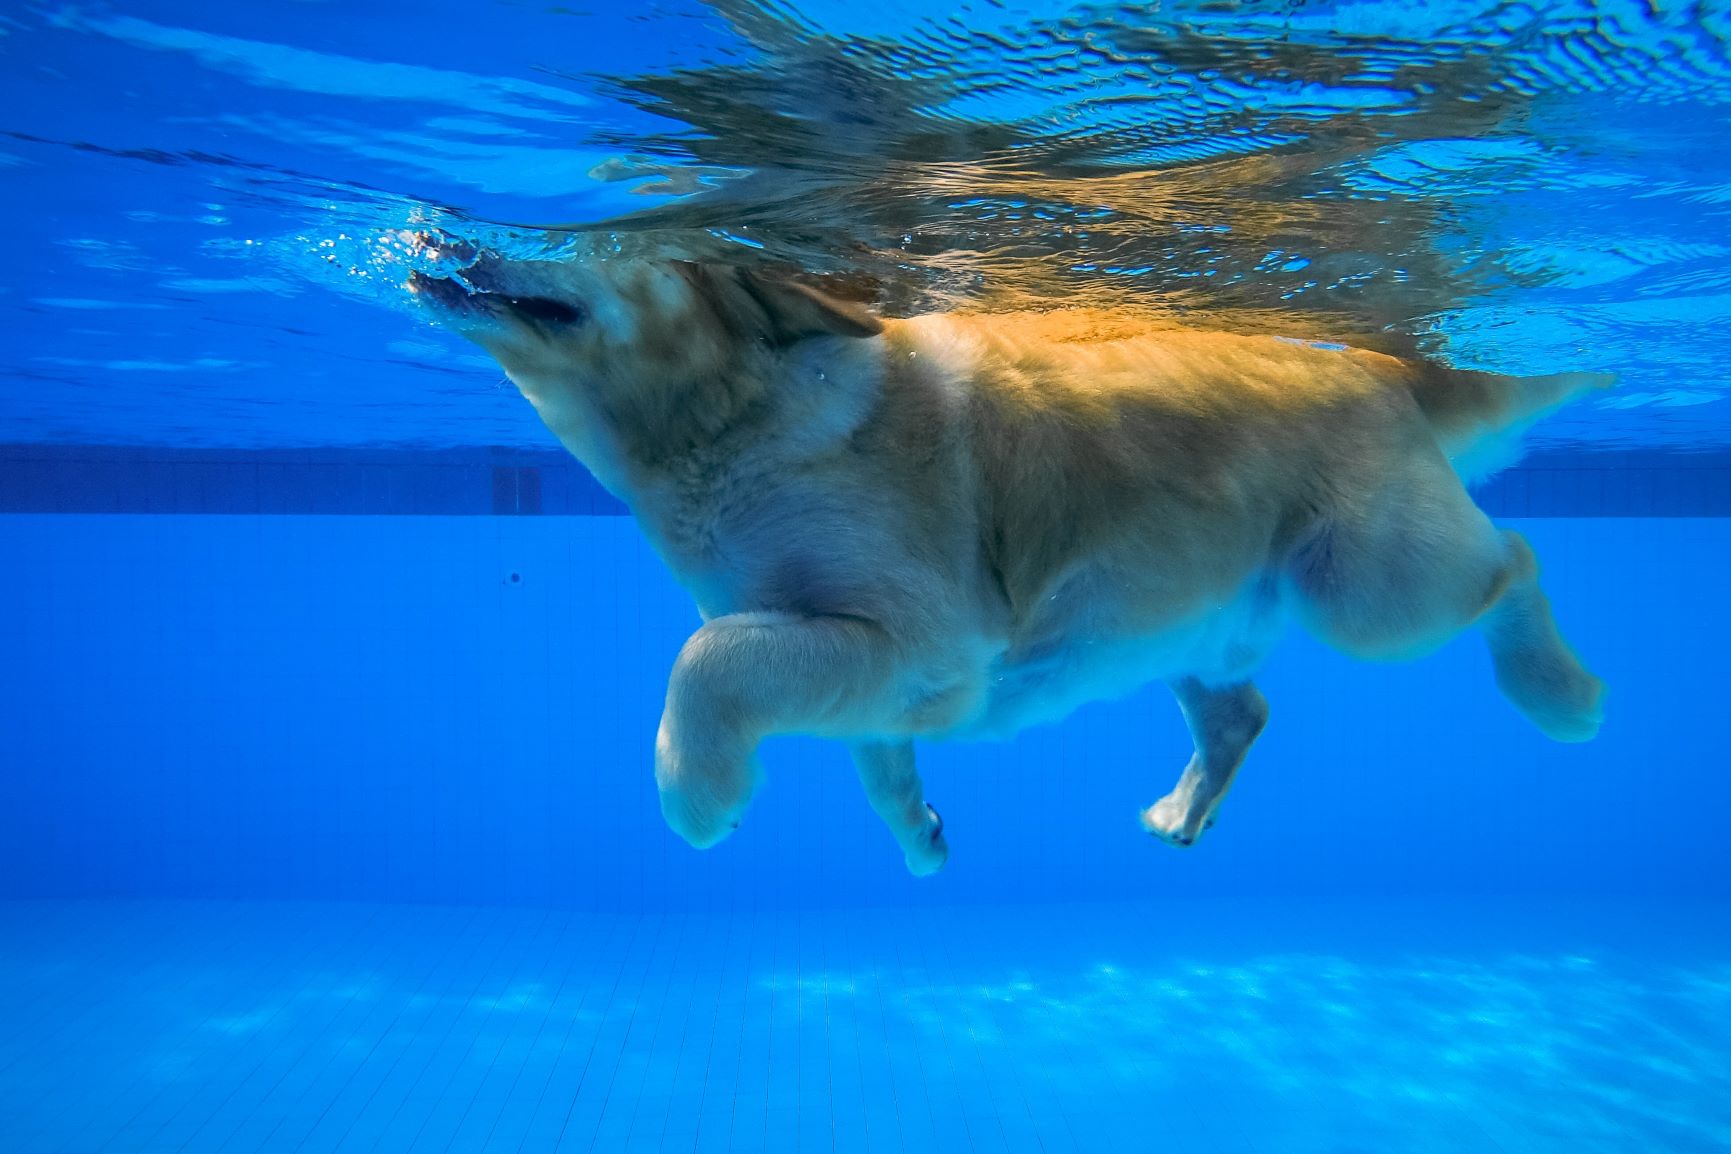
[(954, 526)]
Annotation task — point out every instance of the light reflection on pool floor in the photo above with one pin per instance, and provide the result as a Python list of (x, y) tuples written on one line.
[(1329, 1028)]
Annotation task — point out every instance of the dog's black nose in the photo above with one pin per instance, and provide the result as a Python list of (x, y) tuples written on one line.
[(483, 272), (443, 245)]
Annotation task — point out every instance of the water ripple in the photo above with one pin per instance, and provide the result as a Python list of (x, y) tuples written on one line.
[(1521, 186)]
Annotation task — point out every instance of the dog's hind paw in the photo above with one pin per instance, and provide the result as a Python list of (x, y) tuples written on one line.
[(1172, 819), (930, 851)]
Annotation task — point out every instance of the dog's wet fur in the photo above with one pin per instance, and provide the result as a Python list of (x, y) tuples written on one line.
[(958, 525)]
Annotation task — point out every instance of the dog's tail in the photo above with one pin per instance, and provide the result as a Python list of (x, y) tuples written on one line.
[(1479, 417)]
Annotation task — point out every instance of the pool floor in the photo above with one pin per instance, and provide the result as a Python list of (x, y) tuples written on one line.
[(1327, 1027)]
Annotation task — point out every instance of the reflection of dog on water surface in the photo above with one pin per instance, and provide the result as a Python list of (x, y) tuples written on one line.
[(957, 525)]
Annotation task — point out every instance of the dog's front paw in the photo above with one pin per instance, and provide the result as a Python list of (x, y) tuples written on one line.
[(929, 851), (700, 824), (704, 791)]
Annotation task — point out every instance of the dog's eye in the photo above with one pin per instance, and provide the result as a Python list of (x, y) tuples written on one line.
[(547, 310)]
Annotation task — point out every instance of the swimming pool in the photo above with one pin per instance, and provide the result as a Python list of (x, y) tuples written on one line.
[(327, 819)]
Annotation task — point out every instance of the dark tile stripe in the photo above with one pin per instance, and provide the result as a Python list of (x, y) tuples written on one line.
[(392, 482), (529, 482)]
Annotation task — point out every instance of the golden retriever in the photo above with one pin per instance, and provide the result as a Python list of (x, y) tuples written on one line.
[(958, 525)]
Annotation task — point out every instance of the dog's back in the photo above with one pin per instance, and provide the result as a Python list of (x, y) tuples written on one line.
[(1200, 454)]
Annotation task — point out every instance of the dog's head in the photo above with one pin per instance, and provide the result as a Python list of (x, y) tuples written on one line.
[(613, 332)]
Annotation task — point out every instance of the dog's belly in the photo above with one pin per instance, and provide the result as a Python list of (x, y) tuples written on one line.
[(1075, 661)]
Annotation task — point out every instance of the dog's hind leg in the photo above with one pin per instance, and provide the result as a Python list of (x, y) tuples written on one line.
[(746, 676), (1535, 668), (892, 785), (1397, 573), (1223, 724)]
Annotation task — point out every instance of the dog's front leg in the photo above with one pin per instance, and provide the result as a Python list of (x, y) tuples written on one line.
[(746, 676)]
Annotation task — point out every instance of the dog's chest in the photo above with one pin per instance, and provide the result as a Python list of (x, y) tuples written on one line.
[(744, 533), (766, 516)]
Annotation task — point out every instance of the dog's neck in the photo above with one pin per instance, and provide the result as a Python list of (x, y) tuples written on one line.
[(676, 454), (658, 424), (628, 432)]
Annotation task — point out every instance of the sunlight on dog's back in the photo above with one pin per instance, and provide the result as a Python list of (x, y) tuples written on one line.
[(957, 525)]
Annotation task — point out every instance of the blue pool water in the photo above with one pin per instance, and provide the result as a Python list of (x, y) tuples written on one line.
[(328, 682)]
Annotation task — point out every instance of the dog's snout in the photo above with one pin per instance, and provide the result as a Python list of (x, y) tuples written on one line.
[(440, 290)]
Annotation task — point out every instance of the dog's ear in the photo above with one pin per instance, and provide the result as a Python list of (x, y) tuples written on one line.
[(798, 310), (779, 309)]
